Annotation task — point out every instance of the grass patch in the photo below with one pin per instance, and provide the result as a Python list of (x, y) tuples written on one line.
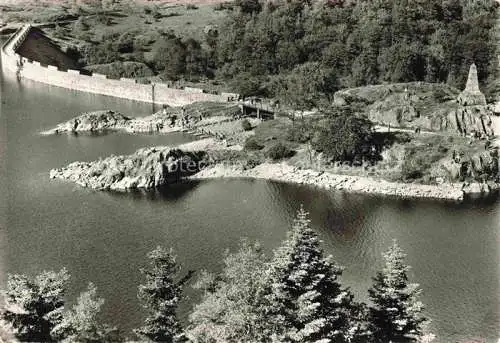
[(253, 144), (279, 151), (271, 131), (425, 155)]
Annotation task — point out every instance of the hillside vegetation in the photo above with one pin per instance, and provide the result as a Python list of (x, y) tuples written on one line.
[(357, 64), (298, 51), (288, 48)]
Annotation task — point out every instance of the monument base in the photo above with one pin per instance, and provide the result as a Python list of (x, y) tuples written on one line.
[(467, 98)]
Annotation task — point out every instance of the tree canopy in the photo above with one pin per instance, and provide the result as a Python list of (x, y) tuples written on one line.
[(360, 42), (294, 297), (345, 136), (160, 296), (396, 314), (35, 306)]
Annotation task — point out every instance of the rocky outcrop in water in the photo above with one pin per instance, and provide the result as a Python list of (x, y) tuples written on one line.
[(99, 121), (93, 122), (146, 168), (168, 119)]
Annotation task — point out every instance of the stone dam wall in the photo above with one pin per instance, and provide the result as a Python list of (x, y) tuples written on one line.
[(157, 93)]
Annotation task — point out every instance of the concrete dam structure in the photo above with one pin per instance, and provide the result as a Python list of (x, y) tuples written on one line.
[(63, 76)]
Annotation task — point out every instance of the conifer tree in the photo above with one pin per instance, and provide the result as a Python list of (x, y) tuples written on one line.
[(306, 301), (81, 325), (160, 296), (232, 306), (396, 314), (33, 307)]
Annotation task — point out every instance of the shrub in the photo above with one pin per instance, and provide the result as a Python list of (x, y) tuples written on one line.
[(245, 124), (99, 54), (80, 25), (117, 70), (418, 160), (102, 18), (125, 43), (224, 6), (279, 151), (169, 57), (299, 133), (155, 12), (247, 84), (59, 32), (413, 169), (253, 144), (251, 162), (219, 7), (73, 53), (345, 137)]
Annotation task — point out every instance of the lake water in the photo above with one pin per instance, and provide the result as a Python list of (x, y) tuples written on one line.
[(103, 237)]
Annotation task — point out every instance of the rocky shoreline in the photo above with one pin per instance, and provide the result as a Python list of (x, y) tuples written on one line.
[(283, 172), (146, 168), (157, 166)]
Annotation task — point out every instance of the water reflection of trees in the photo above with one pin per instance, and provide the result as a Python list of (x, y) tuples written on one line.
[(337, 214)]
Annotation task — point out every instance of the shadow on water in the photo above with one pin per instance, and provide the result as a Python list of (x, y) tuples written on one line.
[(482, 200), (168, 193), (343, 213)]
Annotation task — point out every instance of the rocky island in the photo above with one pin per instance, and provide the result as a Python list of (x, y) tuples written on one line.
[(168, 119), (146, 168), (107, 120)]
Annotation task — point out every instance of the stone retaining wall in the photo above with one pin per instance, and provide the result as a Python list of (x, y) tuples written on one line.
[(96, 83)]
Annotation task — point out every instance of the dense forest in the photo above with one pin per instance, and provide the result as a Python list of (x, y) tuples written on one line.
[(269, 46), (281, 47), (295, 295)]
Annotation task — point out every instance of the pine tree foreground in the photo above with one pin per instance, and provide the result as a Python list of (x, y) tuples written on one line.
[(306, 297), (396, 315), (160, 296), (295, 297)]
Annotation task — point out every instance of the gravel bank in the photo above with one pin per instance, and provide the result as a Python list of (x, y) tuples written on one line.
[(356, 184)]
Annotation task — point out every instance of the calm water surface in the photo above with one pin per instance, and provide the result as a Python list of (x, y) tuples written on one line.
[(103, 237)]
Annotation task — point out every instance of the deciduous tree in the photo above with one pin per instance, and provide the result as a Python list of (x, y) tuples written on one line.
[(81, 324), (345, 137), (232, 306)]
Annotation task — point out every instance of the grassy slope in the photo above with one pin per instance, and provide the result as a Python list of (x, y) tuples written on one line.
[(175, 16)]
